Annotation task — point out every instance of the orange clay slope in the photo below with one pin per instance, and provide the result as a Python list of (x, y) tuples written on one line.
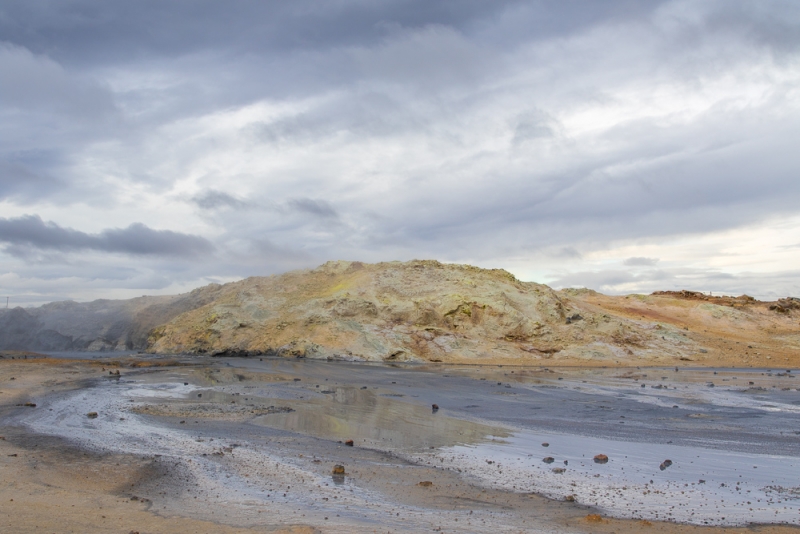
[(426, 311)]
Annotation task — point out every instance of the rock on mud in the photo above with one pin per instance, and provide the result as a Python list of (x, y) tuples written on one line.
[(601, 459)]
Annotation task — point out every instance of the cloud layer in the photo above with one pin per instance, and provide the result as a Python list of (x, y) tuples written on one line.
[(622, 146), (136, 239)]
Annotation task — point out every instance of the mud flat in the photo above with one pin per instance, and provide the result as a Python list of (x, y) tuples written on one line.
[(250, 445)]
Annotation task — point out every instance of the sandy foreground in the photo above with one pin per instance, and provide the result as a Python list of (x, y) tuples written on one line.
[(49, 484)]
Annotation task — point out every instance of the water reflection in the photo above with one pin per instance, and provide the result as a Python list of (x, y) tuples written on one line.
[(372, 420)]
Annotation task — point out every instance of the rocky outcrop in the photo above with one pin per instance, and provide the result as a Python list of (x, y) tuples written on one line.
[(423, 311), (413, 311)]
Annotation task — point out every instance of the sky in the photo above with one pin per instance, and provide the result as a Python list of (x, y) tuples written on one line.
[(627, 146)]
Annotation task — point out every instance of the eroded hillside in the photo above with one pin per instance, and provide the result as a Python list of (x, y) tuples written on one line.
[(428, 311)]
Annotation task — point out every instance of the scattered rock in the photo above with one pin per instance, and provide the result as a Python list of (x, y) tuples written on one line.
[(338, 469), (594, 518), (426, 483), (545, 444), (349, 442), (558, 470), (92, 415), (570, 498), (601, 459), (435, 407), (548, 460), (665, 464), (28, 404)]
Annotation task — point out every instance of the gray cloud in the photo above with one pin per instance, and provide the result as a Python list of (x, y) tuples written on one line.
[(315, 207), (21, 180), (136, 239), (638, 261), (490, 132), (213, 199)]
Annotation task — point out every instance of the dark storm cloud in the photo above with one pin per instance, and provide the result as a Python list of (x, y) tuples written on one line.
[(136, 239)]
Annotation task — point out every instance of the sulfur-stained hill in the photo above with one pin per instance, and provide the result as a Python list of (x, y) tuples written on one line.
[(429, 311), (422, 311)]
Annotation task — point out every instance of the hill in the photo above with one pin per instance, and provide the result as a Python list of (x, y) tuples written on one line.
[(429, 311), (421, 311)]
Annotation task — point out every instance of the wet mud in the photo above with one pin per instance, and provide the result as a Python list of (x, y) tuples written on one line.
[(253, 444)]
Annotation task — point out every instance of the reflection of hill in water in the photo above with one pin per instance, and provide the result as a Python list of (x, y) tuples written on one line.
[(369, 419)]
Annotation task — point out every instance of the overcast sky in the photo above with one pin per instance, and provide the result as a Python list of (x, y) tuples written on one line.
[(151, 147)]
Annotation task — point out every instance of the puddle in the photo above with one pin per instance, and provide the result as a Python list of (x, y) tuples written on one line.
[(375, 420)]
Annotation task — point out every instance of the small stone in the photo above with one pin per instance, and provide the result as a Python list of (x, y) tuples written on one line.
[(558, 470), (548, 460), (570, 498), (338, 470), (435, 407), (665, 464), (426, 483), (92, 415), (601, 459), (349, 442), (545, 444)]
